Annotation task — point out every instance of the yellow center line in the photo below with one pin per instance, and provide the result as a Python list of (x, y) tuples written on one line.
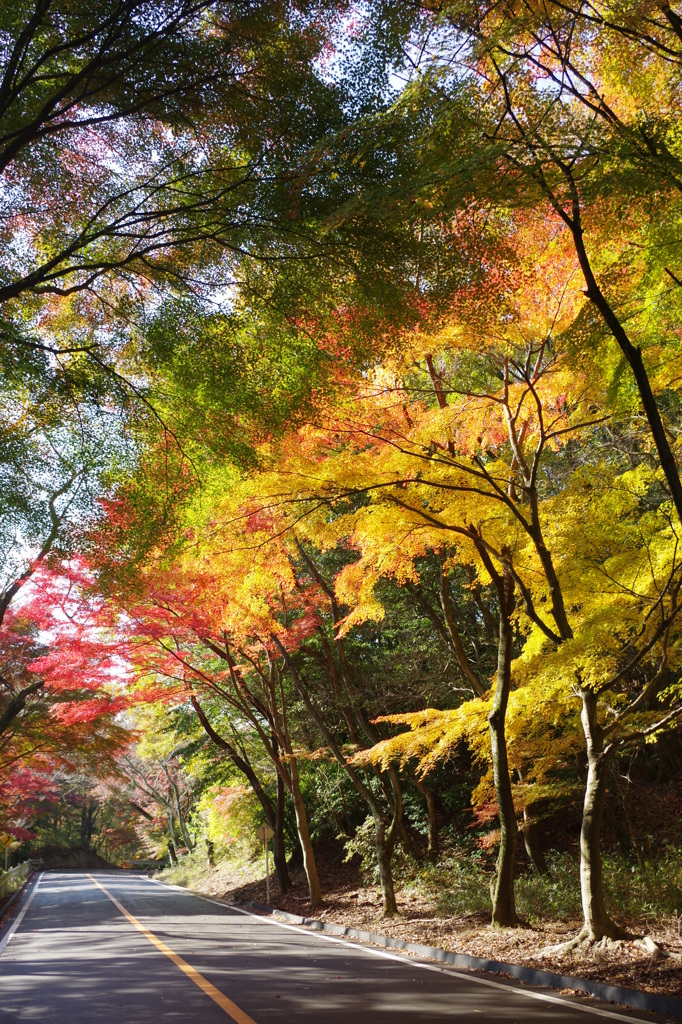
[(230, 1008)]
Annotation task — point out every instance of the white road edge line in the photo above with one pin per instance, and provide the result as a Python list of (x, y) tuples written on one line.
[(20, 918), (451, 972)]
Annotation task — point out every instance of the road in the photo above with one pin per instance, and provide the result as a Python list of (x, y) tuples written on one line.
[(115, 948)]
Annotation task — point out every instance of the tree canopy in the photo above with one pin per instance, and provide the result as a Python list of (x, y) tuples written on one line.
[(340, 431)]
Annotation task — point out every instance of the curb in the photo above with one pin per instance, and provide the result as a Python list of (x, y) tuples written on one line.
[(650, 1002)]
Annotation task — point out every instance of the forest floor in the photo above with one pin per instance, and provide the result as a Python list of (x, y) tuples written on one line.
[(350, 902)]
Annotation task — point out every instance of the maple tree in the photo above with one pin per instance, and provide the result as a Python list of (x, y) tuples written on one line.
[(492, 468), (537, 109), (493, 492), (161, 784), (259, 619), (173, 640), (417, 462), (135, 177)]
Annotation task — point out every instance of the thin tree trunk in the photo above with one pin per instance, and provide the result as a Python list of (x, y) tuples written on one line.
[(171, 833), (406, 839), (141, 810), (279, 856), (385, 834), (455, 640), (531, 838), (533, 844), (555, 592), (304, 836), (278, 848), (17, 703), (440, 394), (281, 755), (433, 847), (502, 889), (597, 923), (178, 810), (632, 353), (237, 760), (384, 841)]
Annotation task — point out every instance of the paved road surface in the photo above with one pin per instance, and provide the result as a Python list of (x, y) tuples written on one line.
[(112, 948)]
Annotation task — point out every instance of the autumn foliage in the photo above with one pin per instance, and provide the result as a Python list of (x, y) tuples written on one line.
[(350, 500)]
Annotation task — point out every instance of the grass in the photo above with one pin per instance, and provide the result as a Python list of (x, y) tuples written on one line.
[(454, 886), (459, 884), (193, 872), (656, 889)]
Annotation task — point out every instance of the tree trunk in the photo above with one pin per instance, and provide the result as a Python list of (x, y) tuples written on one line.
[(633, 354), (433, 847), (502, 889), (597, 923), (141, 810), (178, 810), (87, 824), (531, 838), (17, 702), (171, 833), (384, 837), (555, 592), (455, 641), (304, 837), (384, 841), (278, 849)]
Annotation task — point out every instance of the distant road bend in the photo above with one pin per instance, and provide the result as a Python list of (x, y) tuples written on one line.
[(113, 948)]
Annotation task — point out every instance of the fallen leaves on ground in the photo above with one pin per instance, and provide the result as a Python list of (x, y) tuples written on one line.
[(348, 902)]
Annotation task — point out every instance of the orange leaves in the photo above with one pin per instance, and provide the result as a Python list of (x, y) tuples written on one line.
[(355, 587)]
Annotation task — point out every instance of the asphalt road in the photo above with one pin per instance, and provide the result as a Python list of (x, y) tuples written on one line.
[(113, 948)]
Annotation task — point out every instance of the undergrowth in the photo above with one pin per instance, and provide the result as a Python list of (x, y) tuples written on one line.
[(459, 884), (193, 872)]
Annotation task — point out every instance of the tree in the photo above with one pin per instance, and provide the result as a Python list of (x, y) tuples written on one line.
[(541, 112), (123, 109), (274, 815), (496, 472), (164, 785), (164, 178), (171, 639)]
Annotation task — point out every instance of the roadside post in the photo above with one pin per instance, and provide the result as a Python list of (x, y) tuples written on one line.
[(265, 834), (6, 842)]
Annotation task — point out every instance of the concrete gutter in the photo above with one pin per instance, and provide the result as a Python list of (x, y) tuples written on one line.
[(651, 1002)]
